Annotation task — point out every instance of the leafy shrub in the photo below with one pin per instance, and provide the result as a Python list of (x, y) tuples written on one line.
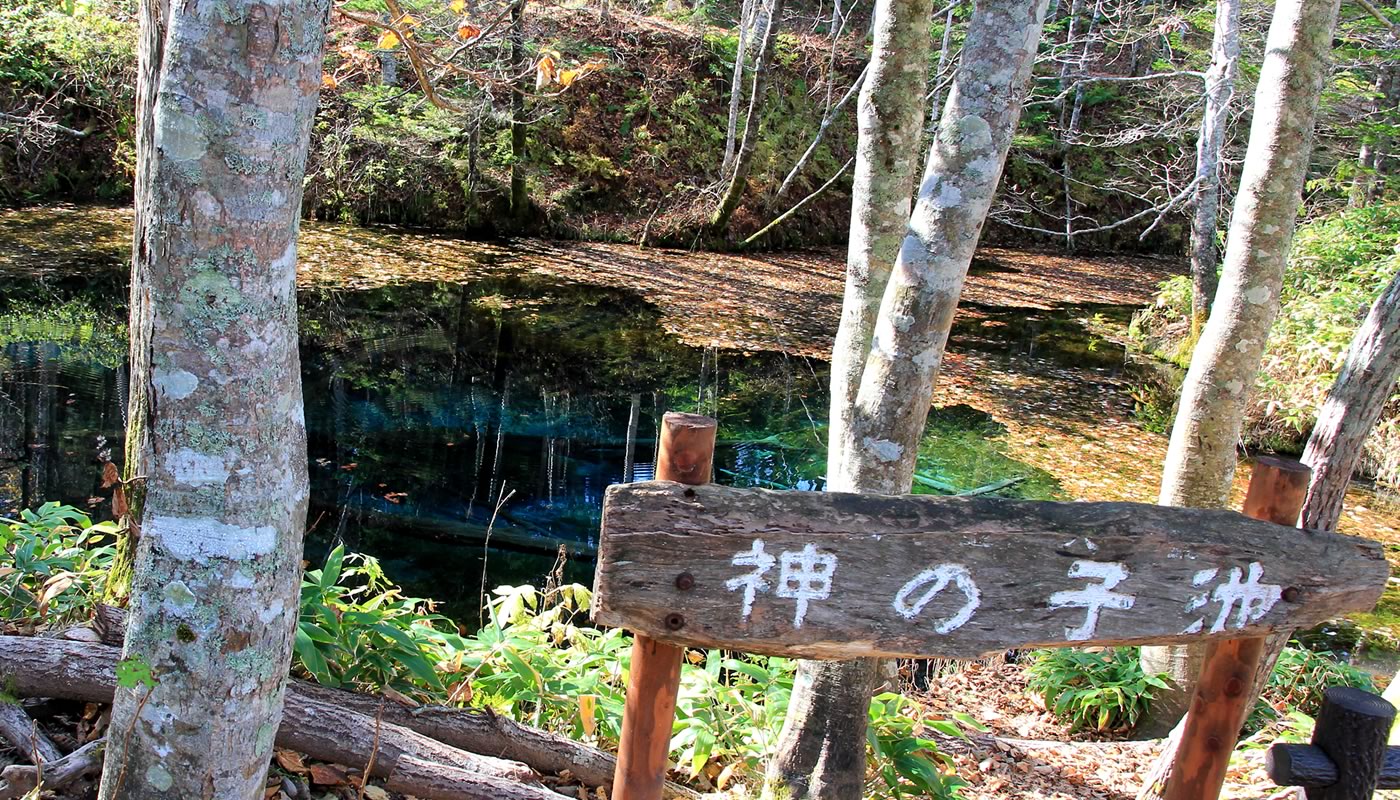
[(1105, 690), (536, 662), (356, 629), (1297, 684), (907, 763), (52, 564), (1337, 268)]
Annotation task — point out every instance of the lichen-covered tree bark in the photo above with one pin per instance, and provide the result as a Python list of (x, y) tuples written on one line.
[(1220, 89), (1201, 457), (232, 89), (887, 357), (888, 147), (1353, 405), (738, 177)]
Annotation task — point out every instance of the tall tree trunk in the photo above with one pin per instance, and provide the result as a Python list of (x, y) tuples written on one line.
[(887, 359), (154, 16), (747, 14), (743, 160), (219, 424), (519, 196), (1370, 160), (888, 115), (1220, 89), (1201, 457), (1352, 408)]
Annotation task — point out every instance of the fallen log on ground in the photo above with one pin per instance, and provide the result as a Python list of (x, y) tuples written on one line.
[(470, 729), (407, 761), (18, 780), (481, 731), (24, 736)]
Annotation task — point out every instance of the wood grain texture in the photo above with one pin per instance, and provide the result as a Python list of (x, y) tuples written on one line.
[(1308, 766), (1213, 725), (1019, 555)]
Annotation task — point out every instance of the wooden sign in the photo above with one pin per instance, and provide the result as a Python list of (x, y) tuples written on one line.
[(830, 575)]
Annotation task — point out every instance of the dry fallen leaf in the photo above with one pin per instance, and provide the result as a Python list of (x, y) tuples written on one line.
[(327, 774), (291, 761)]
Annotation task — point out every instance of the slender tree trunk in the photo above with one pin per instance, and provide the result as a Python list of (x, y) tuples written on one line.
[(888, 115), (1370, 161), (935, 106), (1183, 664), (747, 12), (1352, 408), (220, 422), (519, 196), (154, 17), (743, 160), (1220, 89), (887, 359), (1201, 458)]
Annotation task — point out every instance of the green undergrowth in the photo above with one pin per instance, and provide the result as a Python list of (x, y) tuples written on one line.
[(1338, 266), (1105, 690), (534, 659)]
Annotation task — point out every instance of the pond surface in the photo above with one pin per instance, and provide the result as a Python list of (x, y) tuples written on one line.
[(468, 403)]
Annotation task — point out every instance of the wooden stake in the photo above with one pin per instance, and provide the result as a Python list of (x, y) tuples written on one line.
[(1223, 696), (685, 455)]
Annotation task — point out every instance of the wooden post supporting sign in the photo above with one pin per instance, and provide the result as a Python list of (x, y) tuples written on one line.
[(684, 455), (1223, 695), (835, 575)]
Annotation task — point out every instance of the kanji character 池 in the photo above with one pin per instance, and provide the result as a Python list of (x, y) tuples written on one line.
[(1249, 599)]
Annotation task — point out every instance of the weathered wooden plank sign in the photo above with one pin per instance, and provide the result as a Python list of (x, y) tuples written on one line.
[(830, 575)]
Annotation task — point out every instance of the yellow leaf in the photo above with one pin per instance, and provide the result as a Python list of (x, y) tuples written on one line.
[(467, 31), (458, 6), (388, 40), (408, 21), (587, 704), (328, 80), (544, 72), (567, 76)]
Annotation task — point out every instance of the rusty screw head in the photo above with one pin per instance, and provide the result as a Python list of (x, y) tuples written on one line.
[(674, 622), (685, 581), (1291, 594)]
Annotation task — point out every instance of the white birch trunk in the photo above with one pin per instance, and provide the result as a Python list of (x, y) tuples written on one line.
[(233, 88), (881, 390), (736, 84), (1220, 89), (1200, 464), (1352, 408)]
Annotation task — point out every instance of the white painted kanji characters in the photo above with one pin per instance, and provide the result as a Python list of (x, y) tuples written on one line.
[(803, 575), (753, 582), (1094, 597), (940, 576), (1249, 599)]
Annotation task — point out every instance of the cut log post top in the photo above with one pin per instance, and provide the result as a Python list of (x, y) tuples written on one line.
[(1348, 758), (833, 575)]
